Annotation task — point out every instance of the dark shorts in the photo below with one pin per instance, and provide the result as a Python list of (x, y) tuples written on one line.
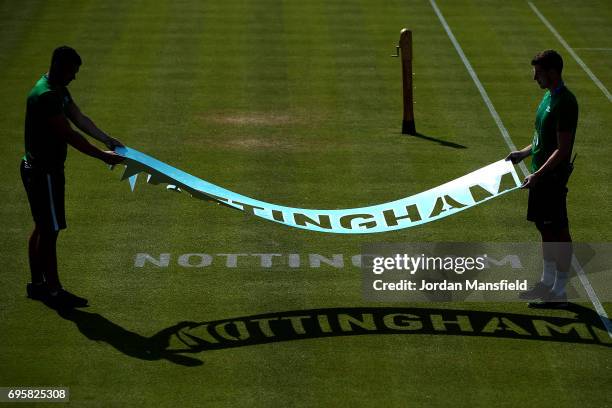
[(46, 196), (548, 204)]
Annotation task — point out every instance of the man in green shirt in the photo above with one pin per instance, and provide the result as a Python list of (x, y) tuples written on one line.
[(47, 136), (550, 151)]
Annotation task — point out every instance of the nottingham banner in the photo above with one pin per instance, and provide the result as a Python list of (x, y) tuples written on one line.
[(447, 199)]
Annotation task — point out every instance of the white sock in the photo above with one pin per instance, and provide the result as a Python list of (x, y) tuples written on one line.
[(560, 282), (549, 272)]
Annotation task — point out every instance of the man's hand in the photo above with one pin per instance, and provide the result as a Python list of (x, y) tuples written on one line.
[(111, 158), (517, 156), (530, 180), (112, 143)]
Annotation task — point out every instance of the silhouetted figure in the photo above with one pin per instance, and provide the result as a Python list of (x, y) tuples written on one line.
[(47, 136), (550, 151)]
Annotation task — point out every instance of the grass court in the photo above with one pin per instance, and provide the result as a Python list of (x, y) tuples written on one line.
[(296, 103)]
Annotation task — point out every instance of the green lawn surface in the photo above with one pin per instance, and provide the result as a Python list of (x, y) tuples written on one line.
[(296, 103)]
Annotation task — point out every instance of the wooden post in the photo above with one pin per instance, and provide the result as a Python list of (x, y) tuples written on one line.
[(405, 45)]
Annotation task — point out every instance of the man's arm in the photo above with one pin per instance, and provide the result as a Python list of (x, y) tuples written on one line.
[(62, 129), (519, 155), (85, 124), (562, 153)]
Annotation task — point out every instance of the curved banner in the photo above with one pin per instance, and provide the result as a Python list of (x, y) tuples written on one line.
[(447, 199)]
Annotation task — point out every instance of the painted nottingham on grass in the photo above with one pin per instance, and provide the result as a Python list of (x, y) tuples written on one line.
[(447, 199)]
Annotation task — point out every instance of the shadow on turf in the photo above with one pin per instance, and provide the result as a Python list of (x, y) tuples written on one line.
[(439, 141), (98, 328), (585, 327)]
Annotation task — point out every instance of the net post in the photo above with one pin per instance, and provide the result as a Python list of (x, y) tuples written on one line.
[(405, 46)]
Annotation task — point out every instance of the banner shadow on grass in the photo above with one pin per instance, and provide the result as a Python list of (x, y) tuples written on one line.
[(585, 327)]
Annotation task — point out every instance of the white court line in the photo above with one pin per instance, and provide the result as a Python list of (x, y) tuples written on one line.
[(577, 267), (572, 53), (579, 271), (593, 49), (592, 295), (481, 89)]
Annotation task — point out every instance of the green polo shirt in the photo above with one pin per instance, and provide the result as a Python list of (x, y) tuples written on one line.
[(43, 149), (558, 111)]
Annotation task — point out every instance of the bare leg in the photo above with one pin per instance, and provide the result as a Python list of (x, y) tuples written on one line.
[(557, 247), (47, 250), (58, 297), (564, 256), (557, 254), (34, 257)]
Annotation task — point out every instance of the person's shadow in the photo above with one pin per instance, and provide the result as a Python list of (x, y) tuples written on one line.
[(98, 328)]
